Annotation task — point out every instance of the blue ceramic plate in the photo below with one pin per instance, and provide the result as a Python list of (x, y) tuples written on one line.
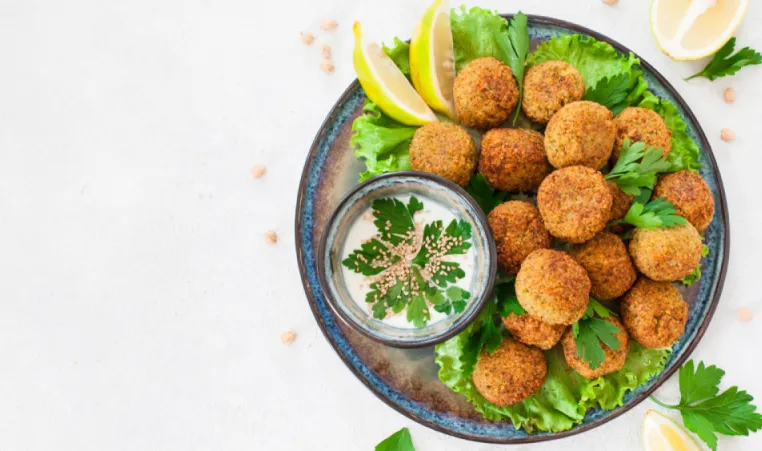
[(407, 379)]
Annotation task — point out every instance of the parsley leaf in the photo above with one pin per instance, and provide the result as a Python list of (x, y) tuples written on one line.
[(507, 302), (723, 64), (591, 330), (394, 219), (518, 38), (399, 441), (637, 167), (656, 213), (611, 92), (367, 260), (691, 278), (705, 412), (483, 194)]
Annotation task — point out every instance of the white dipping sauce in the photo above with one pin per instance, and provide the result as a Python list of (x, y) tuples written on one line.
[(358, 285)]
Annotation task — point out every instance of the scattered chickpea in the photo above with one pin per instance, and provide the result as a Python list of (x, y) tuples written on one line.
[(329, 24), (288, 337), (611, 2), (729, 95), (258, 171), (271, 237), (744, 314), (325, 50), (306, 37), (727, 135), (327, 66)]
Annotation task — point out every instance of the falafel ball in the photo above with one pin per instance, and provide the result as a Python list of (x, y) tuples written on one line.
[(485, 93), (621, 201), (444, 149), (654, 313), (608, 265), (614, 360), (533, 331), (548, 87), (581, 133), (641, 125), (666, 255), (690, 195), (518, 230), (513, 159), (575, 203), (511, 374), (553, 287)]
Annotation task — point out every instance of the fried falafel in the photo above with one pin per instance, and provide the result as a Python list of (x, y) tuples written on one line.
[(614, 360), (533, 331), (513, 159), (641, 125), (581, 133), (518, 230), (654, 313), (553, 287), (608, 264), (690, 195), (485, 93), (666, 255), (575, 203), (511, 374), (444, 149), (549, 86)]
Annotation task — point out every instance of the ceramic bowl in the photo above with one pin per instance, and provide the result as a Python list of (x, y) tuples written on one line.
[(425, 187)]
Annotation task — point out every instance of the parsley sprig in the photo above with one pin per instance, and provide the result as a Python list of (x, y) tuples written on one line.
[(611, 92), (658, 213), (705, 412), (399, 441), (591, 330), (484, 195), (723, 64), (637, 167), (408, 271), (518, 38)]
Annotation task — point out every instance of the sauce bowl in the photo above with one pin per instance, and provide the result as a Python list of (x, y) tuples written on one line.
[(427, 187)]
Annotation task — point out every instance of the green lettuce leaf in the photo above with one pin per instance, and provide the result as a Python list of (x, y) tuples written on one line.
[(564, 397), (685, 151), (596, 61), (478, 33), (383, 143)]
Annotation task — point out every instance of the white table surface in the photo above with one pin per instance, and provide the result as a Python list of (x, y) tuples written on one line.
[(140, 307)]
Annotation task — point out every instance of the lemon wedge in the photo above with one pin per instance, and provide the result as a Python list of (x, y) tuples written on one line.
[(693, 29), (662, 434), (386, 85), (432, 66)]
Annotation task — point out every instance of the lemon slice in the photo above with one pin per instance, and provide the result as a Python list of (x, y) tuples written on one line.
[(693, 29), (432, 66), (386, 86), (662, 434)]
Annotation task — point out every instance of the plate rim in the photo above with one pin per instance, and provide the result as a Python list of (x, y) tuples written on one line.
[(616, 413)]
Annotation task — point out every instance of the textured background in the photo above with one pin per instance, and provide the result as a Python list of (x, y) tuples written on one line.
[(141, 309)]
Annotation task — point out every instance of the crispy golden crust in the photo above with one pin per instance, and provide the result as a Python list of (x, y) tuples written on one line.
[(553, 287), (666, 255), (641, 125), (575, 203), (485, 93), (614, 360), (608, 265), (654, 313), (548, 87), (513, 159), (444, 149), (581, 133), (621, 202), (518, 231), (533, 331), (511, 374), (690, 195)]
